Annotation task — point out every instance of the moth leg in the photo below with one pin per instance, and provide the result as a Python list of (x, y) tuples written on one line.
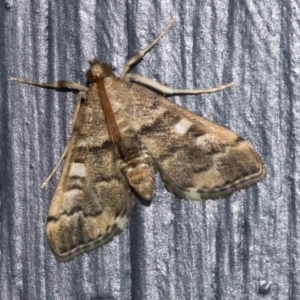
[(55, 84), (169, 91), (137, 56), (79, 97)]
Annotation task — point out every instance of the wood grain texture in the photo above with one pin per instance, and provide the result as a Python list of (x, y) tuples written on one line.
[(226, 249)]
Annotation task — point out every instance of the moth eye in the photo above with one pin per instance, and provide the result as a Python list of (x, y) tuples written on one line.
[(90, 78)]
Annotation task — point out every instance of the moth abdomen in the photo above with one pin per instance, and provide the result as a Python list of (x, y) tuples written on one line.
[(138, 169), (140, 178), (136, 163)]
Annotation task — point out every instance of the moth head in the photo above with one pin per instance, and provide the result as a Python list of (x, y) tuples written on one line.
[(97, 70)]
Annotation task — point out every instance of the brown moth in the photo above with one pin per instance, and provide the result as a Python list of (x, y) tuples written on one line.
[(123, 132)]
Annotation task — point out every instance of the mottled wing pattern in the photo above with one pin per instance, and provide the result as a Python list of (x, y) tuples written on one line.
[(92, 201), (197, 159)]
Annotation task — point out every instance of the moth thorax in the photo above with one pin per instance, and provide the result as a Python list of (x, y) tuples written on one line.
[(97, 70)]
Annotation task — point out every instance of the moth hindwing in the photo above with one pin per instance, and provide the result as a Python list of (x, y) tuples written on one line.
[(121, 133)]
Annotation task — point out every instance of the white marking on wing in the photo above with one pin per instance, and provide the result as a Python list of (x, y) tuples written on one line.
[(122, 222), (129, 170), (182, 126), (204, 139), (81, 143), (144, 154), (71, 195), (142, 165), (77, 169)]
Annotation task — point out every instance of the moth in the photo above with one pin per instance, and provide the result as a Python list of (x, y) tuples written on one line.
[(122, 133)]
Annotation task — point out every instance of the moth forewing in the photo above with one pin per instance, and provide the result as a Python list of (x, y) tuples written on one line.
[(122, 132), (92, 201)]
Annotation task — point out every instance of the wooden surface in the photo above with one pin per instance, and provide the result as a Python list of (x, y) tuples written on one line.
[(243, 247)]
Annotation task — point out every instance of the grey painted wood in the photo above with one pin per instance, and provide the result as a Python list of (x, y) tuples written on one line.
[(231, 248)]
